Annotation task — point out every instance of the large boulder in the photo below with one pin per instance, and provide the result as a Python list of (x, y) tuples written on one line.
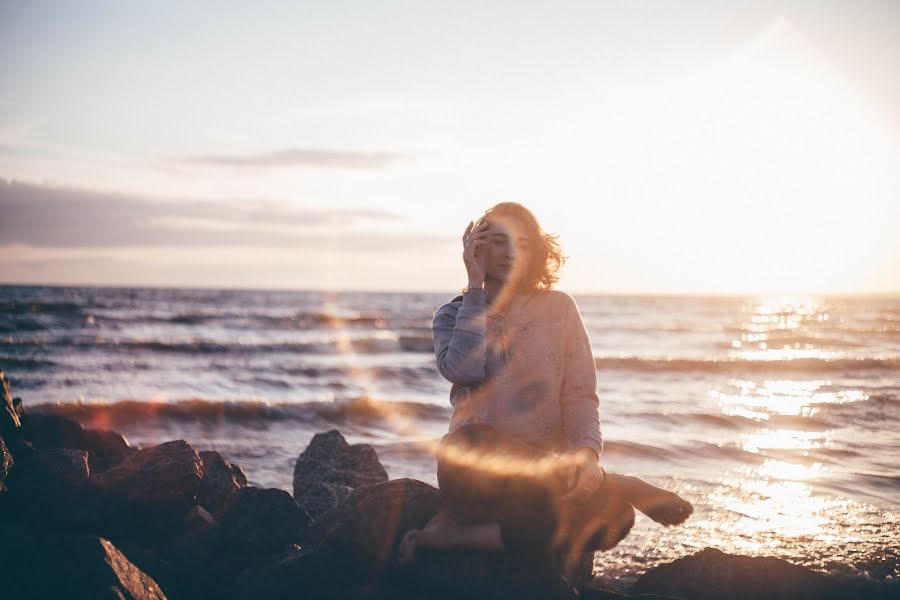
[(6, 463), (351, 545), (369, 524), (260, 522), (41, 564), (10, 410), (712, 574), (166, 477), (105, 448), (63, 464), (219, 483), (330, 468)]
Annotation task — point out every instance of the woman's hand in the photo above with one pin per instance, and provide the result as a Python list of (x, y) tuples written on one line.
[(473, 239), (585, 475)]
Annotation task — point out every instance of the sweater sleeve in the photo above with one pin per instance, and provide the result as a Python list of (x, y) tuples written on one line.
[(460, 343), (579, 400)]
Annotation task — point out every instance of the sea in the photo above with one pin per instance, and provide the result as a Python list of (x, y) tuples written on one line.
[(777, 417)]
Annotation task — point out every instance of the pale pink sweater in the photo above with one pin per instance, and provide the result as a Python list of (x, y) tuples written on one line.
[(529, 372)]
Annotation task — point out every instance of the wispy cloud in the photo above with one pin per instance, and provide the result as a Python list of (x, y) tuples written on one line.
[(64, 217), (296, 157)]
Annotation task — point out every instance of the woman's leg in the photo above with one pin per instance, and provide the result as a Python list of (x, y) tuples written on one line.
[(444, 533), (495, 498), (661, 505), (604, 519)]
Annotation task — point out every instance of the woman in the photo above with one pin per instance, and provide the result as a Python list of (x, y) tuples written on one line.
[(519, 469)]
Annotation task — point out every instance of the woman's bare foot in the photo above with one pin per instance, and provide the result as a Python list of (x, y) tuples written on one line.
[(665, 507), (442, 532)]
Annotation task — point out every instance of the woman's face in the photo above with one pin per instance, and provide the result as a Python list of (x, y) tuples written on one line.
[(506, 250)]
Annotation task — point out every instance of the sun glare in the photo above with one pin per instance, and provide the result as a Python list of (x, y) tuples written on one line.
[(764, 172)]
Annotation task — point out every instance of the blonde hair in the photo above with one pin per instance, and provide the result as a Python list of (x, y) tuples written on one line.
[(545, 254)]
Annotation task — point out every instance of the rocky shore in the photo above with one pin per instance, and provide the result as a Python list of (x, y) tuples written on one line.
[(85, 515)]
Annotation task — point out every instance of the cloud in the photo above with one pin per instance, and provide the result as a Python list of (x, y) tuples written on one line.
[(65, 217), (297, 157)]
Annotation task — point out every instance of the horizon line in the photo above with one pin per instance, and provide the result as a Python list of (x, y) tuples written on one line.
[(574, 292)]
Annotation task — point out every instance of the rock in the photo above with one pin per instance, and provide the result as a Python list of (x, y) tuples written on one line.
[(53, 565), (365, 530), (260, 521), (6, 463), (64, 464), (10, 411), (146, 496), (711, 574), (319, 497), (219, 482), (165, 476), (198, 539), (329, 467), (52, 431), (351, 545), (475, 574)]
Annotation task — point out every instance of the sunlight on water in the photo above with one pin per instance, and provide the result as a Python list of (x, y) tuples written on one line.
[(782, 439), (759, 400), (782, 328)]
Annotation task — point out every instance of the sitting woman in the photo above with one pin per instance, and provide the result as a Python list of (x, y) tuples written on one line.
[(519, 470)]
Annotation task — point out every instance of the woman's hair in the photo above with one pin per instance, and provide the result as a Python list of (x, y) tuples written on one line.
[(545, 254)]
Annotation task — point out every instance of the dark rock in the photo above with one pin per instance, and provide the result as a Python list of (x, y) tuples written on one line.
[(54, 565), (366, 529), (712, 574), (6, 463), (166, 476), (320, 497), (198, 540), (480, 574), (355, 542), (219, 482), (260, 521), (142, 499), (10, 411), (596, 593), (64, 464), (351, 545), (53, 431), (329, 466)]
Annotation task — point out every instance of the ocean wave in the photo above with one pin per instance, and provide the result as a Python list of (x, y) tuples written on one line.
[(36, 307), (8, 363), (362, 345), (738, 365), (137, 412), (721, 421), (299, 320)]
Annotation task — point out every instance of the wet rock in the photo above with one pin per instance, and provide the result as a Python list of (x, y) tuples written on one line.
[(165, 476), (219, 483), (712, 574), (10, 410), (64, 464), (319, 497), (6, 463), (366, 529), (54, 565), (474, 574), (108, 448), (198, 540), (329, 468), (261, 522), (160, 484)]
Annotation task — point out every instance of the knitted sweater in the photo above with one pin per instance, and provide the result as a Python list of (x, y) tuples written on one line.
[(528, 371)]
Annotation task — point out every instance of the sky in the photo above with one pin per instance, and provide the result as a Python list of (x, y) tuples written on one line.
[(689, 147)]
